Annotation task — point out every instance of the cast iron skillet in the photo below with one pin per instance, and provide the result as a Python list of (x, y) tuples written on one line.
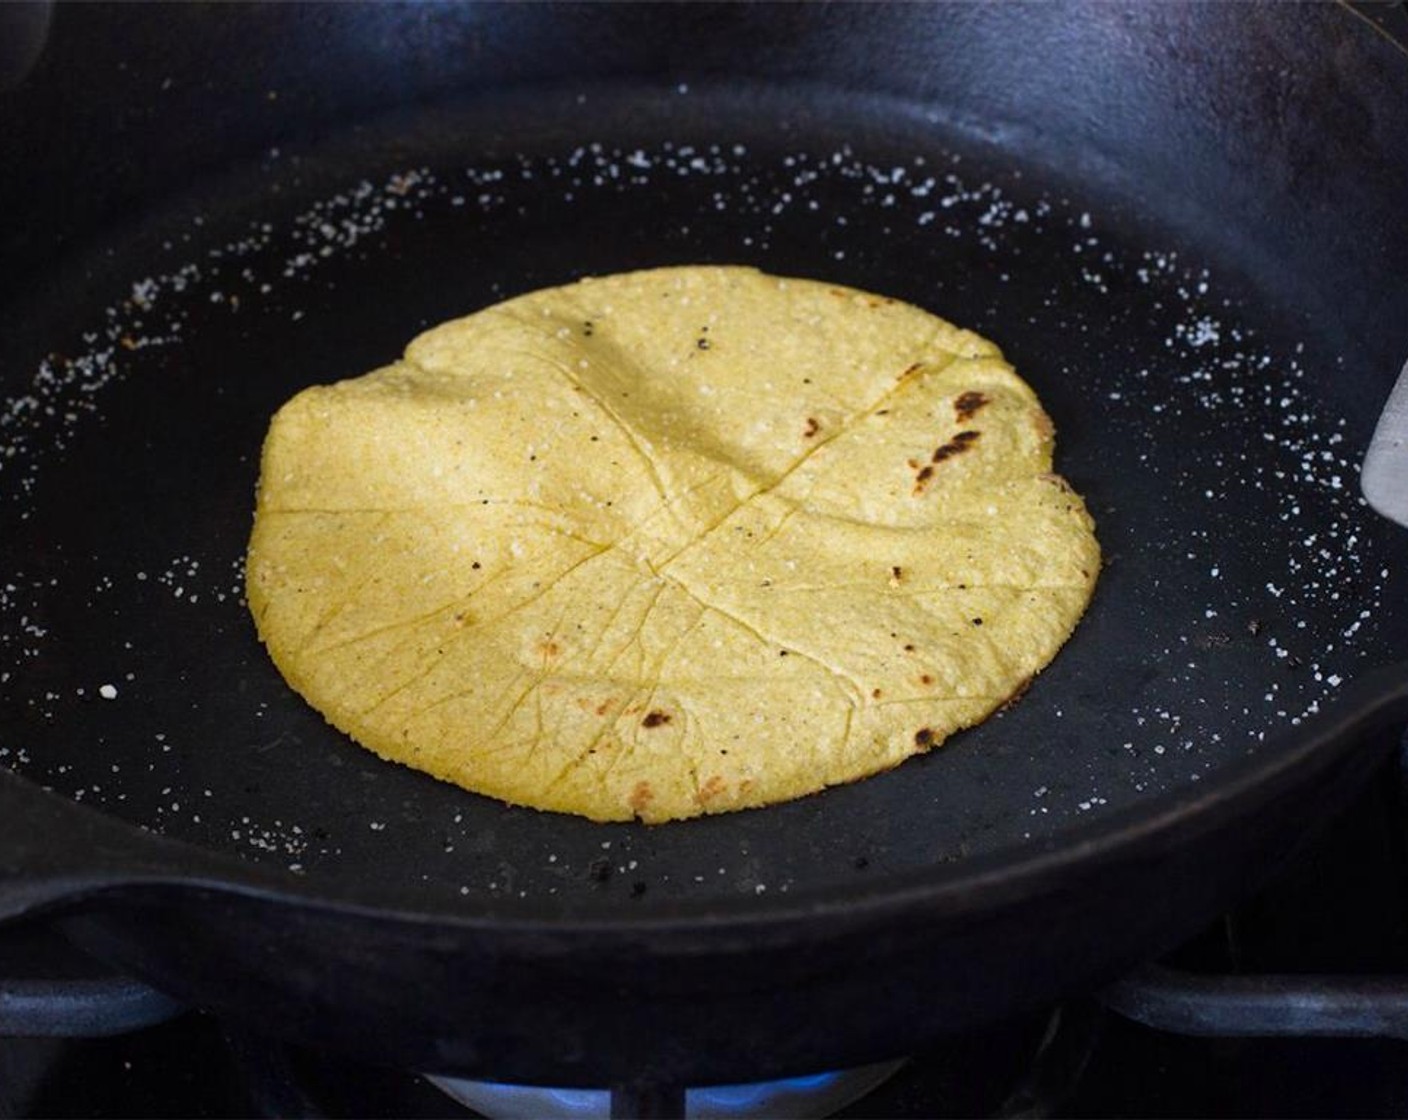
[(1182, 223)]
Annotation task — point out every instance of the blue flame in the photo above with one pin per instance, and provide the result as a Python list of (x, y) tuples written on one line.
[(585, 1102), (750, 1098), (765, 1098)]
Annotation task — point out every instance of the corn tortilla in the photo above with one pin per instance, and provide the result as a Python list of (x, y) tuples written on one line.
[(667, 543)]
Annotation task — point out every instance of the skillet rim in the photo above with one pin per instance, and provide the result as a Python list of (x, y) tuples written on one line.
[(1377, 701)]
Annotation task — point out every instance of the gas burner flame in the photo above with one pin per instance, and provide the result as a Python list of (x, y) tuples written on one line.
[(792, 1098)]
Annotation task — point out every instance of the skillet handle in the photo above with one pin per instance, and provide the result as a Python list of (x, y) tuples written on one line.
[(54, 852)]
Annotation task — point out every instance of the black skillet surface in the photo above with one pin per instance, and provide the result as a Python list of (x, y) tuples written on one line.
[(1212, 392)]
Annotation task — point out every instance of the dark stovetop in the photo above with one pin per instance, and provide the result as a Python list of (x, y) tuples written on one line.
[(1341, 906)]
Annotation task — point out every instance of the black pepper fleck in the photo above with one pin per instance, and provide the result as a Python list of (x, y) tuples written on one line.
[(599, 870)]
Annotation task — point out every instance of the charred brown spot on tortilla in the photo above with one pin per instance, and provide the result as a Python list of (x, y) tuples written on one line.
[(969, 403), (924, 738), (956, 446), (813, 426), (712, 789), (655, 718), (641, 796), (549, 648)]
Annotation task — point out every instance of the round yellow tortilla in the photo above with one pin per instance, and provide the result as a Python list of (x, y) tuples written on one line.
[(668, 543)]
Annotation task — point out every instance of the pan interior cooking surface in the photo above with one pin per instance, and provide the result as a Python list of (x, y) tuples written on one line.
[(1214, 436)]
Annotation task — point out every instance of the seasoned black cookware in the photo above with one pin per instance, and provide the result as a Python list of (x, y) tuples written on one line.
[(1184, 225)]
